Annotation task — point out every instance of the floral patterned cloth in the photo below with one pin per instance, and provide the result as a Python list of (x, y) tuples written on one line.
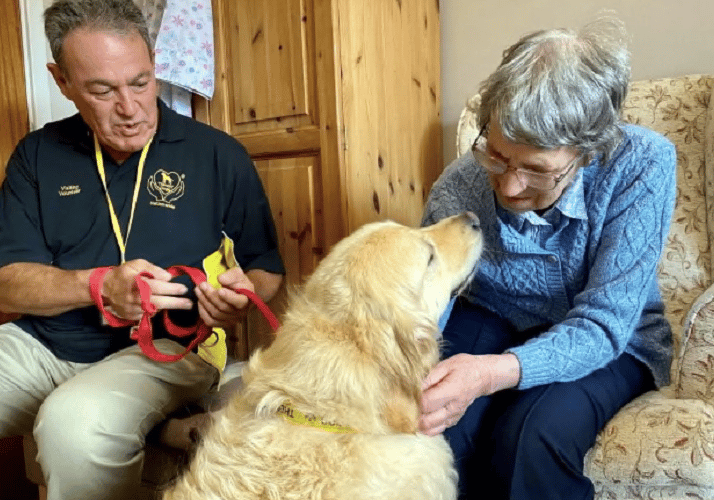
[(184, 46), (662, 444)]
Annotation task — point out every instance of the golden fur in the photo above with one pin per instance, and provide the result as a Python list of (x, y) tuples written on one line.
[(355, 344)]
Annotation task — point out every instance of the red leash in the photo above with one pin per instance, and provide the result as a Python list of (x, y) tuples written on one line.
[(142, 331)]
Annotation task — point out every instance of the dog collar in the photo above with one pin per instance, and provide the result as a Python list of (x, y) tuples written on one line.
[(296, 417)]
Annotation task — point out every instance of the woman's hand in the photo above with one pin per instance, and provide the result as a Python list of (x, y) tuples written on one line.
[(456, 382)]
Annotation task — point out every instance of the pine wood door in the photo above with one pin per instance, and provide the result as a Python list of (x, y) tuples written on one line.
[(289, 183), (337, 102), (265, 57), (13, 103), (290, 186), (271, 38), (269, 58)]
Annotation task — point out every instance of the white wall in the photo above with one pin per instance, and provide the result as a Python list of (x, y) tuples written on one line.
[(45, 102), (669, 38)]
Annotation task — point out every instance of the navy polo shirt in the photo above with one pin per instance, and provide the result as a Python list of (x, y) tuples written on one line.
[(197, 183)]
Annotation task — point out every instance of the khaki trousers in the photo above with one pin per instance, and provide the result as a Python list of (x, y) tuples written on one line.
[(90, 420)]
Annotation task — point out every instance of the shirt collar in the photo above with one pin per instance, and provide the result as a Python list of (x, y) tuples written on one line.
[(572, 202), (172, 126)]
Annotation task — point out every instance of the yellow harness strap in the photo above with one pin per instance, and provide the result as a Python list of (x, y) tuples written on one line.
[(296, 417)]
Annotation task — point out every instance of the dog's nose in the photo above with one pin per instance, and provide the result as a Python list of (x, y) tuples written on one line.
[(473, 219)]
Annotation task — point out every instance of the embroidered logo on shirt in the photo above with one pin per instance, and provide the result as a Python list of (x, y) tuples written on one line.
[(165, 187), (69, 190)]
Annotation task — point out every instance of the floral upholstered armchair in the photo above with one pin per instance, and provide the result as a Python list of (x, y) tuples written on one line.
[(662, 444)]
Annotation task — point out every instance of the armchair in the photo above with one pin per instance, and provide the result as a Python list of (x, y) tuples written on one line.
[(661, 445)]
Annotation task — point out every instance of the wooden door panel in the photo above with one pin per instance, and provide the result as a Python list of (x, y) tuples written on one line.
[(290, 187), (290, 184), (13, 103), (268, 60)]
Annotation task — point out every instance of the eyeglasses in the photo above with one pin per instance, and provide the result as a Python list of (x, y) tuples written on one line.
[(530, 178)]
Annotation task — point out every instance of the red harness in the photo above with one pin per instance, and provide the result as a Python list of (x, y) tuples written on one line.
[(142, 331)]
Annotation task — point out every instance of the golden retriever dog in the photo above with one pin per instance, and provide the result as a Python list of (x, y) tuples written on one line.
[(330, 409)]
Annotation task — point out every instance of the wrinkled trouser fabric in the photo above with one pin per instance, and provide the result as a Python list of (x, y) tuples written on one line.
[(90, 420), (531, 444)]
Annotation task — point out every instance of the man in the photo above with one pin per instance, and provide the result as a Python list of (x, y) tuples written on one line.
[(130, 185)]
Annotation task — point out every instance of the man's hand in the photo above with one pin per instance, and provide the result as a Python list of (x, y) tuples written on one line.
[(456, 382), (122, 294), (224, 307)]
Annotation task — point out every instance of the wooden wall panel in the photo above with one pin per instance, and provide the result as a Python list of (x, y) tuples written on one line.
[(13, 102), (328, 75), (391, 106)]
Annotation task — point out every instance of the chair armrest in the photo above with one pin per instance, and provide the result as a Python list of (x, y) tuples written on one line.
[(694, 373), (656, 441)]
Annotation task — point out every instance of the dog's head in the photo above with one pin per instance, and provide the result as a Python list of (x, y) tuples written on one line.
[(365, 322), (396, 273)]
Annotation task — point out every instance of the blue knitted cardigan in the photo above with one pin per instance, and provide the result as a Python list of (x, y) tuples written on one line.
[(587, 266)]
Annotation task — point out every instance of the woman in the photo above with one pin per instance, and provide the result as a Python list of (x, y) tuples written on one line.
[(563, 323)]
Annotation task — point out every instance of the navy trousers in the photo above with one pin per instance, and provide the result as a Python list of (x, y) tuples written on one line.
[(530, 444)]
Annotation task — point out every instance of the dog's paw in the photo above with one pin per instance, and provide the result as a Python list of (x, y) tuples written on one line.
[(184, 433)]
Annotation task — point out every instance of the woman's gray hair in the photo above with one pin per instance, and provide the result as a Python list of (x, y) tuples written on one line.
[(562, 87), (118, 16)]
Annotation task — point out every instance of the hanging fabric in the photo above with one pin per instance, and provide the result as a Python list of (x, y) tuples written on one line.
[(184, 52)]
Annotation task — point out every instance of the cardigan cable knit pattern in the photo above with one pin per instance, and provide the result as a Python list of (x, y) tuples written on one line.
[(586, 269)]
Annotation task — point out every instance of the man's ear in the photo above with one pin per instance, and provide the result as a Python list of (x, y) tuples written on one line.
[(60, 78)]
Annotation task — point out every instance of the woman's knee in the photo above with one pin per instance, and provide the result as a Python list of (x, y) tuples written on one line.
[(562, 427)]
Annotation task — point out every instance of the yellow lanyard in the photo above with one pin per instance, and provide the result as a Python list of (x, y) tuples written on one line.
[(115, 221)]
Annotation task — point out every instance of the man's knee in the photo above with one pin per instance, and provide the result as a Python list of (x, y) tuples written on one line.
[(82, 449), (72, 424), (24, 383)]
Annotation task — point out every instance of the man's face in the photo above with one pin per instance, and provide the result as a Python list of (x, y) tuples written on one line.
[(110, 78)]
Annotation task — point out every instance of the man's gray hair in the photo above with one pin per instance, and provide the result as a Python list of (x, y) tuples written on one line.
[(118, 16), (562, 87)]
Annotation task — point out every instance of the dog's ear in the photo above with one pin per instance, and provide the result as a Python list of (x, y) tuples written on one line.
[(416, 351), (418, 346)]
